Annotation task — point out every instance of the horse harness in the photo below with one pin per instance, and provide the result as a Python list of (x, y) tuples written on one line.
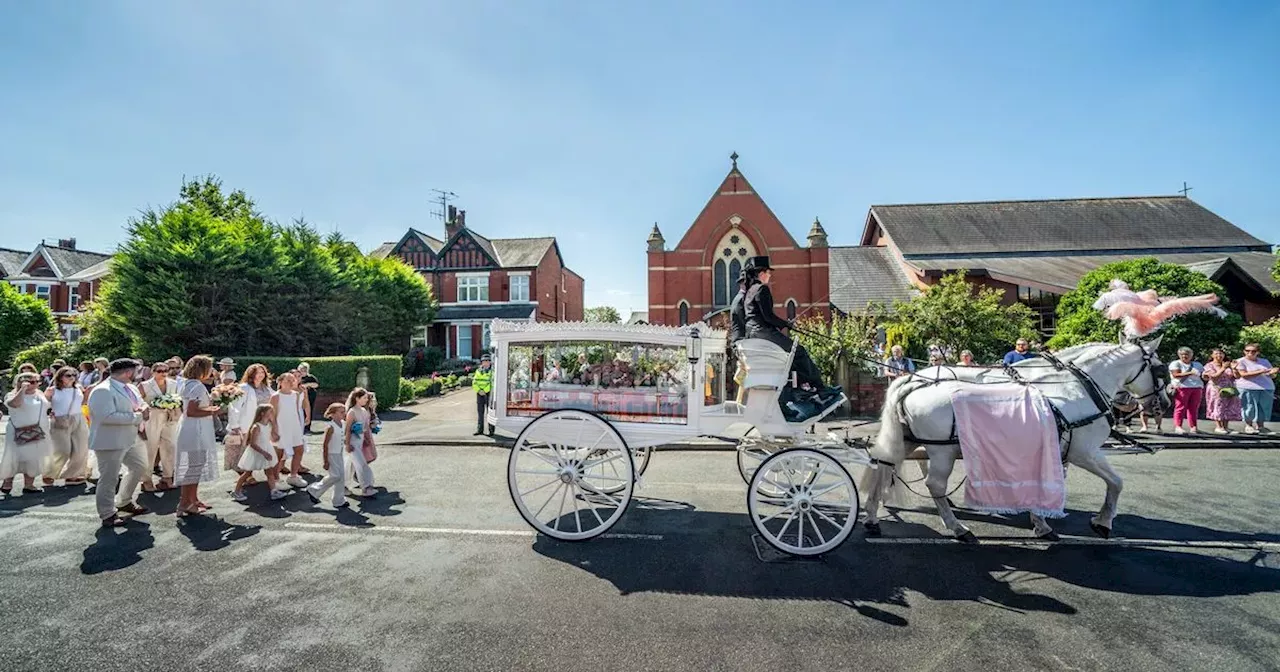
[(1065, 426)]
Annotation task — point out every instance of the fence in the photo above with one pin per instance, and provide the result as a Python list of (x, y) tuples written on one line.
[(864, 386)]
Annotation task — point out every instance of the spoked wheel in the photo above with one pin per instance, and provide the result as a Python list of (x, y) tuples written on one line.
[(639, 458), (752, 452), (570, 475), (803, 502)]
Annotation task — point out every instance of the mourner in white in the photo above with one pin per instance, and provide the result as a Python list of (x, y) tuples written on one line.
[(162, 426), (26, 437), (69, 432), (334, 463), (116, 416)]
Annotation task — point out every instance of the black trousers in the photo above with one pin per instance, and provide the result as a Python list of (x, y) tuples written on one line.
[(482, 405)]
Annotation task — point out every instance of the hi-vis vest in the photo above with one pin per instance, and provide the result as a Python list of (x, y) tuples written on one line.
[(482, 381)]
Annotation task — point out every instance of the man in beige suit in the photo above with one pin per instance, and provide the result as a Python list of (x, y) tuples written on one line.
[(116, 416)]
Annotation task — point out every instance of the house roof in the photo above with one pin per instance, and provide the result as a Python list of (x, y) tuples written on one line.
[(92, 272), (1088, 224), (383, 251), (68, 262), (1063, 272), (11, 261), (503, 311), (638, 317), (517, 252), (861, 275)]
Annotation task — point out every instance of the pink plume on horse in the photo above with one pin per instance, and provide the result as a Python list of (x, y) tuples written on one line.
[(1141, 319), (1118, 292)]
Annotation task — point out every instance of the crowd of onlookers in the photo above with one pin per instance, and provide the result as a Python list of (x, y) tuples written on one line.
[(126, 423), (1225, 390)]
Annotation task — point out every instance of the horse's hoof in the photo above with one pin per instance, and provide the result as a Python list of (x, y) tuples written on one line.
[(1049, 536), (967, 538), (872, 529), (1104, 532)]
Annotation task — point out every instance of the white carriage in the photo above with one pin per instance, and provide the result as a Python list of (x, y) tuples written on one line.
[(588, 402)]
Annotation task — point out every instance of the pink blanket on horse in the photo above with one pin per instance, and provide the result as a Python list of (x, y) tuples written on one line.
[(1011, 450)]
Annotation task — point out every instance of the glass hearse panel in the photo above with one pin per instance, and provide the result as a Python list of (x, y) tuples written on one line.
[(622, 381)]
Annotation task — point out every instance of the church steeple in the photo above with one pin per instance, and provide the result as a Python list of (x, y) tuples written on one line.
[(817, 234), (656, 241)]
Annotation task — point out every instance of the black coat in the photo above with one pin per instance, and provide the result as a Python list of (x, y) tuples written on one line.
[(738, 316), (762, 322)]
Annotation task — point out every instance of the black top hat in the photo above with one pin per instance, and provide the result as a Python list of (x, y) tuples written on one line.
[(758, 264)]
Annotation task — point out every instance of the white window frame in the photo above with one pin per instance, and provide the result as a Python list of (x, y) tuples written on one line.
[(71, 333), (73, 300), (524, 282), (47, 293), (473, 288), (418, 337)]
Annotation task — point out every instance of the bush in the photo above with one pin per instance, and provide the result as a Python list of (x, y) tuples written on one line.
[(338, 374), (426, 387), (464, 381), (422, 361), (24, 321), (455, 366), (42, 355), (1266, 335), (407, 391)]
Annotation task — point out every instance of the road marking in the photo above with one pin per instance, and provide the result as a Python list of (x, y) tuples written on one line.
[(54, 514), (1128, 543), (339, 527)]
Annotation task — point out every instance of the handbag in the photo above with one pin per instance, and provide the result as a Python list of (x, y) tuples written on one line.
[(62, 421), (28, 434), (1228, 392)]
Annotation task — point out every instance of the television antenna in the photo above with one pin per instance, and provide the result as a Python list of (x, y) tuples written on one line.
[(443, 197)]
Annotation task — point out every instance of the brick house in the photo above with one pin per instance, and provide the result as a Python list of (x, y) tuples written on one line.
[(477, 279), (697, 279), (66, 277)]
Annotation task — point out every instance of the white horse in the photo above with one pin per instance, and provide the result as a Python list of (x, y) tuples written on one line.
[(923, 409)]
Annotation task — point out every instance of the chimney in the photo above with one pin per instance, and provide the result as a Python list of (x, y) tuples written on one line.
[(68, 243), (451, 225)]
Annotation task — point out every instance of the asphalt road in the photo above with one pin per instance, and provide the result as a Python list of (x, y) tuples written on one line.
[(439, 573)]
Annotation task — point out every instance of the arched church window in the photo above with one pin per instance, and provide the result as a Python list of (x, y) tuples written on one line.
[(719, 286), (684, 313), (791, 309), (733, 250)]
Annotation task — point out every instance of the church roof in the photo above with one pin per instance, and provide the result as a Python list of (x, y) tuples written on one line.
[(1084, 225), (736, 196)]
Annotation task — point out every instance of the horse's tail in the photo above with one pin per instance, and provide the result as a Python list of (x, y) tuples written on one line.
[(891, 447)]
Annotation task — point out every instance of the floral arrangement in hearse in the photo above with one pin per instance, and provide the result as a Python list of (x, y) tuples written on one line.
[(226, 394)]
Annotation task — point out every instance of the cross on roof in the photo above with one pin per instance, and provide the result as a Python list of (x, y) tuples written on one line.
[(1185, 189), (734, 158)]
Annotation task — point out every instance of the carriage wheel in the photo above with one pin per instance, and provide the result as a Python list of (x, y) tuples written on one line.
[(817, 507), (556, 477), (639, 457)]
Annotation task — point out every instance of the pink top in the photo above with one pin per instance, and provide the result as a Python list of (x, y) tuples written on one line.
[(1261, 382)]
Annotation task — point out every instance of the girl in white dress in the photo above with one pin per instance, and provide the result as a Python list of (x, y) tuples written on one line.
[(196, 449), (291, 417), (69, 433), (353, 435), (26, 436), (258, 455), (256, 384)]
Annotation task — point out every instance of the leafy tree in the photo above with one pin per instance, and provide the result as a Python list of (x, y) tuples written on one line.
[(24, 320), (101, 334), (1079, 323), (602, 314), (956, 315), (849, 337), (210, 274), (42, 355), (1266, 335)]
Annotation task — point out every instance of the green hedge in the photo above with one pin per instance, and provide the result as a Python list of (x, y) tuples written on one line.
[(338, 374), (406, 391)]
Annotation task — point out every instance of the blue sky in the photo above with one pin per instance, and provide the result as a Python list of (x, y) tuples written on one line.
[(592, 120)]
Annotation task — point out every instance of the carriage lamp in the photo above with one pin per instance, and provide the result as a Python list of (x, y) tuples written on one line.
[(694, 347)]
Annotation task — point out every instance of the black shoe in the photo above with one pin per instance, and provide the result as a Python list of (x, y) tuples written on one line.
[(478, 433)]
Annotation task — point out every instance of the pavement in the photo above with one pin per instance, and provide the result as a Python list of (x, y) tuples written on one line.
[(438, 572), (450, 420)]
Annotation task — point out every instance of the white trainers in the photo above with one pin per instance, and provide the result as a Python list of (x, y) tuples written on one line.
[(1179, 430), (279, 494), (296, 481), (1250, 430), (239, 496), (1219, 430)]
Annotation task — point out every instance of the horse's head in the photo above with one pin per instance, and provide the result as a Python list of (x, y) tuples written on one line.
[(1149, 378)]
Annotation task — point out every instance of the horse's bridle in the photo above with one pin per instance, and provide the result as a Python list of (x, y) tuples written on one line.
[(1148, 365)]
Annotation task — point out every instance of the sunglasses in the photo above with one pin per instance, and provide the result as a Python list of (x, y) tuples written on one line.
[(159, 370), (1250, 351)]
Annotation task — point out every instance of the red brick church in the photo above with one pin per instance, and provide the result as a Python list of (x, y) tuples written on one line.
[(697, 279)]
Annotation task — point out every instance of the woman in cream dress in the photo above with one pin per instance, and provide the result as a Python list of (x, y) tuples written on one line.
[(28, 410), (69, 431), (162, 426)]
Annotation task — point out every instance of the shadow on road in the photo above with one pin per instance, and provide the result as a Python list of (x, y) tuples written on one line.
[(117, 548), (720, 559), (210, 533)]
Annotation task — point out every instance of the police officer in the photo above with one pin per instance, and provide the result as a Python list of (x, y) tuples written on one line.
[(482, 385)]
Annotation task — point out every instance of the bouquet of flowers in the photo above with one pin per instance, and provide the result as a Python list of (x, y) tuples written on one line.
[(167, 402), (226, 394)]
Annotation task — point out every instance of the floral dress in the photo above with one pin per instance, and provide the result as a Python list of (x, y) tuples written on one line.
[(1219, 407)]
